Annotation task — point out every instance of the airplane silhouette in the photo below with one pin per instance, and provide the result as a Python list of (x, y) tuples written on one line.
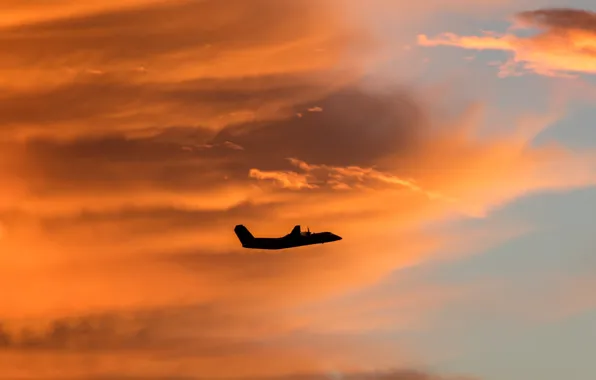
[(291, 240)]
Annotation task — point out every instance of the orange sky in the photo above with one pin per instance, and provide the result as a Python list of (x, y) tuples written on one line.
[(136, 134)]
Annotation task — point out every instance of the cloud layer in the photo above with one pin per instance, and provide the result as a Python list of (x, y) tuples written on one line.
[(133, 144)]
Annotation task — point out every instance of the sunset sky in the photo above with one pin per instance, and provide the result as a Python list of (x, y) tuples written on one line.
[(451, 143)]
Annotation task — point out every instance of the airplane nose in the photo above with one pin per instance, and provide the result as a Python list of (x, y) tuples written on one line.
[(336, 237)]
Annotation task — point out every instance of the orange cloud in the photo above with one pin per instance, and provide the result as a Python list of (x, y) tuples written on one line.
[(19, 13), (116, 225), (133, 144), (564, 46), (339, 178), (218, 63)]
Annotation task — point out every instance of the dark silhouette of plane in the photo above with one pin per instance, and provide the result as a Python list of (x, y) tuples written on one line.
[(291, 240)]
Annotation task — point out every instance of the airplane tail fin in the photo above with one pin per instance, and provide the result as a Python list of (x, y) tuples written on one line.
[(243, 234)]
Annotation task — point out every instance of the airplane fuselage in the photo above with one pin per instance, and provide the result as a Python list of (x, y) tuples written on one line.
[(294, 239), (289, 241)]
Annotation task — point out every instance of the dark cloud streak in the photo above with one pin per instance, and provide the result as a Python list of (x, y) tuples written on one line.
[(353, 128), (562, 18), (197, 330), (143, 33), (101, 103)]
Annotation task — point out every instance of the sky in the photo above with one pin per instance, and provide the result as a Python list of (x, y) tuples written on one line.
[(450, 143)]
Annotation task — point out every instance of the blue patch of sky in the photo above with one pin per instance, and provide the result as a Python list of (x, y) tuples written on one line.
[(488, 335), (497, 351), (562, 241), (577, 130)]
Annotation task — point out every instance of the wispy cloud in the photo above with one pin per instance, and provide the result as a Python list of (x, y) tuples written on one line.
[(339, 178), (564, 45), (136, 135), (91, 222)]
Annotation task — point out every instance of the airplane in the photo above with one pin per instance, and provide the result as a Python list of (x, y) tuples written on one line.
[(296, 238)]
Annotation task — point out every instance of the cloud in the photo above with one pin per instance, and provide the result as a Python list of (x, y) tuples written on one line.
[(290, 180), (133, 144), (115, 224), (208, 68), (197, 340), (19, 13), (205, 32), (162, 200), (141, 330), (564, 45), (394, 122), (339, 178)]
